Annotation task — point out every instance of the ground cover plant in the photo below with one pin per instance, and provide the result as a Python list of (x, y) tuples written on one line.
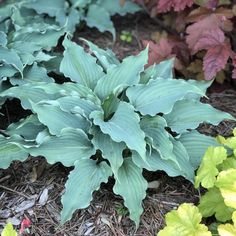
[(200, 34), (217, 174), (112, 120)]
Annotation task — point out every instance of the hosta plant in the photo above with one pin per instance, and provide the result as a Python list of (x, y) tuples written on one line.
[(217, 174), (113, 120)]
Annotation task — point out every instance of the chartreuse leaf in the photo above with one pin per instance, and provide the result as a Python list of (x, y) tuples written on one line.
[(123, 126), (183, 116), (228, 229), (9, 230), (98, 17), (47, 114), (196, 145), (132, 186), (159, 95), (79, 66), (121, 76), (82, 182), (229, 163), (212, 203), (9, 151), (207, 172), (70, 146), (184, 221), (113, 154), (227, 185)]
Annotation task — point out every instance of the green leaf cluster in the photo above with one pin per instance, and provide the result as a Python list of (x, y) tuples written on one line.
[(217, 173), (114, 119)]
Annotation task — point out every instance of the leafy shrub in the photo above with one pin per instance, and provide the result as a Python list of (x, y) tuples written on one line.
[(114, 119), (30, 29), (217, 173), (195, 27)]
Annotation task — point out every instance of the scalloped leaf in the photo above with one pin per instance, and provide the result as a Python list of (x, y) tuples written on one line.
[(207, 172), (226, 183), (132, 186), (9, 230), (184, 221), (212, 203), (228, 229), (82, 182)]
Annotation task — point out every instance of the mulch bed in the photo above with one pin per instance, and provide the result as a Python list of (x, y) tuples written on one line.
[(33, 188)]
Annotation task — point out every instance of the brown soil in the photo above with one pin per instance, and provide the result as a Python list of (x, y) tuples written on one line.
[(23, 186)]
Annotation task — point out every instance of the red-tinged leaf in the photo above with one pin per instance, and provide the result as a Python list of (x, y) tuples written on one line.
[(215, 60), (178, 5), (201, 13), (158, 52), (234, 64), (209, 39), (199, 29)]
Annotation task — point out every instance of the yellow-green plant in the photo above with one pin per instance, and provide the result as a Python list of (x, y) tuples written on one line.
[(9, 230), (217, 173)]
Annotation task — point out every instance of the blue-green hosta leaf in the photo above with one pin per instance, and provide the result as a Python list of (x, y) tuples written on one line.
[(79, 66), (112, 151), (7, 71), (72, 20), (154, 129), (98, 17), (79, 105), (154, 162), (121, 76), (52, 7), (10, 151), (56, 119), (28, 128), (72, 145), (10, 57), (114, 7), (32, 74), (202, 85), (159, 95), (3, 39), (196, 145), (44, 35), (80, 3), (22, 93), (212, 203), (82, 182), (188, 114), (123, 126), (132, 186), (182, 158), (106, 57), (162, 70)]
